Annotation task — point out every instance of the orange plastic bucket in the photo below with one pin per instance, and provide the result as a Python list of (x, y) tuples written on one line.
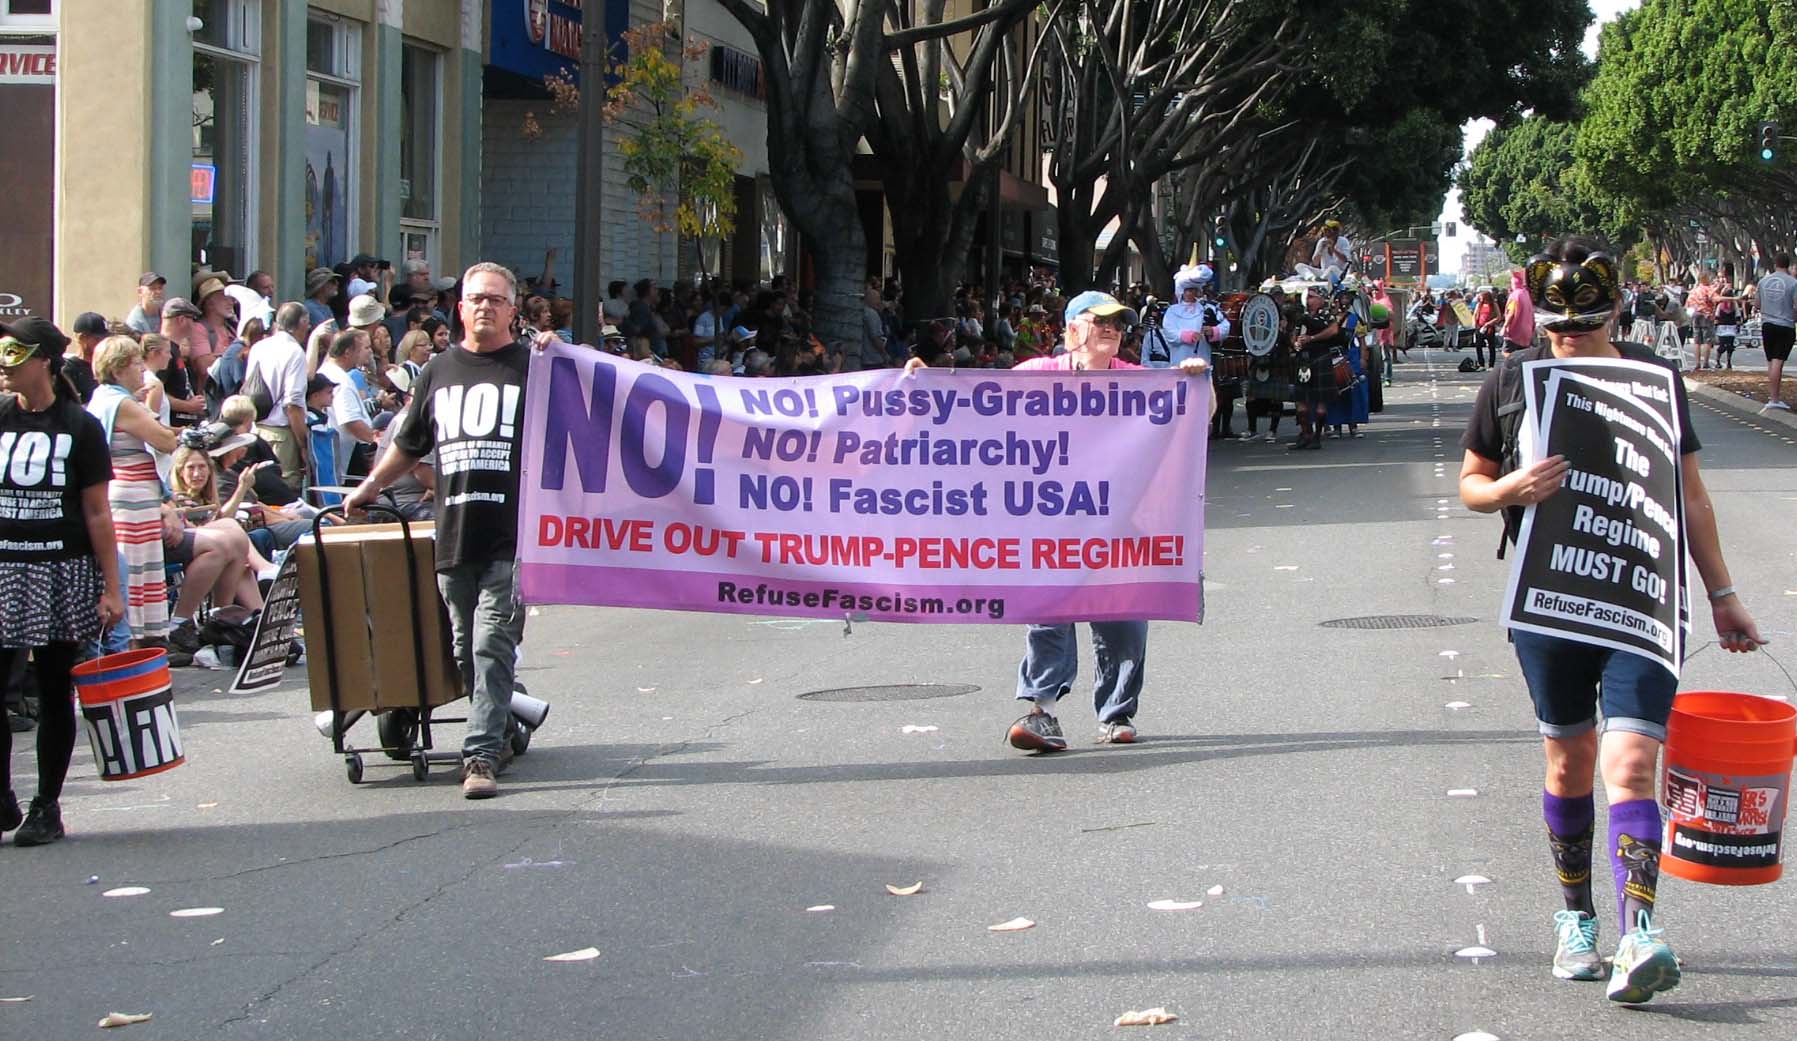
[(128, 705), (1725, 779)]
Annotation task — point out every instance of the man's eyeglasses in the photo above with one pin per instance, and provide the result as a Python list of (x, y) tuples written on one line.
[(1109, 325), (488, 300)]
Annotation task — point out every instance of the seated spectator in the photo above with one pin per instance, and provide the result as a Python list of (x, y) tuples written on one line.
[(414, 494), (204, 477), (413, 352), (239, 413), (319, 393)]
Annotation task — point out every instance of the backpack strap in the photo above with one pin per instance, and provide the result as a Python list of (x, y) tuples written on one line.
[(1510, 410)]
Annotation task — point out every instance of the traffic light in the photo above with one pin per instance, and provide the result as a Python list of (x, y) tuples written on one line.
[(1219, 236), (1768, 140)]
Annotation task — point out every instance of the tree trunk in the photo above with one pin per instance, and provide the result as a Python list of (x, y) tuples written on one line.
[(928, 269), (831, 230)]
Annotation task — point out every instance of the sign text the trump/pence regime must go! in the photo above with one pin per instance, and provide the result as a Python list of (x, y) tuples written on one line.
[(941, 496), (1601, 560)]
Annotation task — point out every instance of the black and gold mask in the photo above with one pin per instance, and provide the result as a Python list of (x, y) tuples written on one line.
[(1573, 297)]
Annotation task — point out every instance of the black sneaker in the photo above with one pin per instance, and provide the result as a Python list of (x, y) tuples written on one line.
[(1038, 732), (10, 817), (185, 637), (19, 724), (43, 825)]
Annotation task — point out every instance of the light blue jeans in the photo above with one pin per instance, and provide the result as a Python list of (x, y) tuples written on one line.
[(116, 640), (486, 622), (1051, 661)]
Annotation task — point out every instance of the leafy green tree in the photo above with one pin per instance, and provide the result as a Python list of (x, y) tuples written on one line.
[(1673, 117), (679, 163), (1524, 180)]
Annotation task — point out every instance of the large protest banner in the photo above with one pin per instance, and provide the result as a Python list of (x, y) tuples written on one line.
[(941, 496), (1601, 561)]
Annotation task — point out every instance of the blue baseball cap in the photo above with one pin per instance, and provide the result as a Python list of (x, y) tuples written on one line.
[(1101, 304)]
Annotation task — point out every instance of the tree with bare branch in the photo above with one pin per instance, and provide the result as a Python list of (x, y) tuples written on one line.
[(918, 87), (1144, 88)]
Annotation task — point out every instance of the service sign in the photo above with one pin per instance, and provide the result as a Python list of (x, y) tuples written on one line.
[(27, 178), (943, 496), (1601, 560)]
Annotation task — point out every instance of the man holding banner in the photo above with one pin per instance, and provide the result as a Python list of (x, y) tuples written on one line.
[(467, 407), (1587, 447)]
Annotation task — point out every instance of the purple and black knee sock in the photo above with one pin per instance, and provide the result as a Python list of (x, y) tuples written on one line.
[(1635, 857), (1569, 828)]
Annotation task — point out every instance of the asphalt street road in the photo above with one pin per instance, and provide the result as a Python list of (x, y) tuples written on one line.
[(685, 811)]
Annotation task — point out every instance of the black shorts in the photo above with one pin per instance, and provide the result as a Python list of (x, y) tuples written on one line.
[(1777, 340), (181, 552)]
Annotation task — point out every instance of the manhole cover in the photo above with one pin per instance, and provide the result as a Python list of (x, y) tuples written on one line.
[(1397, 621), (891, 692)]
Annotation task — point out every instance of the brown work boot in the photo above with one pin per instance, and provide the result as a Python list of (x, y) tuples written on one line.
[(478, 779)]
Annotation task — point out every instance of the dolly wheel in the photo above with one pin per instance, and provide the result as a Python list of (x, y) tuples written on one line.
[(421, 767), (398, 731), (352, 765)]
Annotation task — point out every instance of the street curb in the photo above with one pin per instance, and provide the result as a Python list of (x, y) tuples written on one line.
[(1744, 405)]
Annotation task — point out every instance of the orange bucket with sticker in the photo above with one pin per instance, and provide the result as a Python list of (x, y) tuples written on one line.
[(1724, 780), (128, 707)]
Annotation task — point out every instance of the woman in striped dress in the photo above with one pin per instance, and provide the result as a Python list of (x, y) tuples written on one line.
[(136, 492)]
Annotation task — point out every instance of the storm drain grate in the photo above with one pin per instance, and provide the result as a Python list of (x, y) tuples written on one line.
[(1397, 621), (891, 692)]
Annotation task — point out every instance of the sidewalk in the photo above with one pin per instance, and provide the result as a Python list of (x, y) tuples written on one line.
[(1743, 391)]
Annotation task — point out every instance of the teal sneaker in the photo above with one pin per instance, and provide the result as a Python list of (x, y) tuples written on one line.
[(1644, 965), (1575, 954)]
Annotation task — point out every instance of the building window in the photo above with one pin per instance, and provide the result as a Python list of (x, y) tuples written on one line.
[(28, 14), (739, 72), (333, 71), (420, 154), (225, 135)]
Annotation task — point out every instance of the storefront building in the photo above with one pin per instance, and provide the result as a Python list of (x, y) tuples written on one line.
[(530, 161), (244, 135)]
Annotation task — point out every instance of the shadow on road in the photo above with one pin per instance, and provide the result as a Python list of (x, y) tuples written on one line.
[(569, 764)]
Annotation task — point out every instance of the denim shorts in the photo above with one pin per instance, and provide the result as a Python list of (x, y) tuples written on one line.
[(1568, 681)]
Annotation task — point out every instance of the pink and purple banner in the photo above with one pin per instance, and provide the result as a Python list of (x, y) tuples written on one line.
[(943, 496)]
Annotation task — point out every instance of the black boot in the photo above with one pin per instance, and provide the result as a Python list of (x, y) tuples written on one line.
[(9, 812), (43, 825)]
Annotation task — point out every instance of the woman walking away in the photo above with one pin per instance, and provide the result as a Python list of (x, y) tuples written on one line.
[(136, 490), (59, 577)]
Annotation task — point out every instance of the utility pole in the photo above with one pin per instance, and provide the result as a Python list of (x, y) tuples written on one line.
[(589, 178)]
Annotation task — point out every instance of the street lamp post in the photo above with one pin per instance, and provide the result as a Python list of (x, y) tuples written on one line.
[(589, 181)]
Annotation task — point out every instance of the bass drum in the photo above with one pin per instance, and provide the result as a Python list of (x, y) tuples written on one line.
[(1257, 323)]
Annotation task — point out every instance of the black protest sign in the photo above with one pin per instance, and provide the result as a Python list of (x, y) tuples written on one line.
[(275, 631), (1600, 561)]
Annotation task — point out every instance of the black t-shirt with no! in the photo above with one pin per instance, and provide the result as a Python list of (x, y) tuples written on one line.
[(468, 408), (47, 459)]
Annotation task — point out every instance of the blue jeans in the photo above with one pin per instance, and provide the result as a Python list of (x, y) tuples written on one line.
[(486, 623), (116, 640), (1568, 681), (1051, 661)]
